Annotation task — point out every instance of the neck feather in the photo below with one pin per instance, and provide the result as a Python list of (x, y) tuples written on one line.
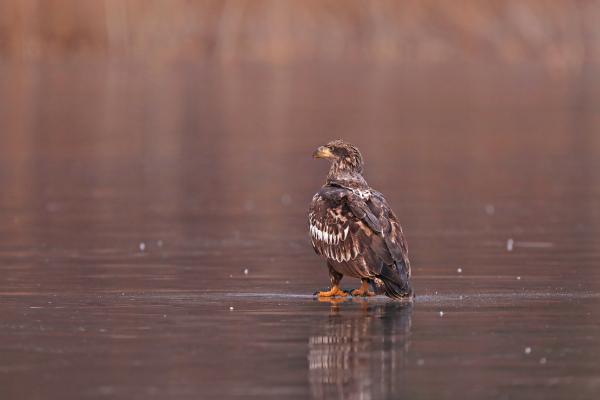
[(346, 174)]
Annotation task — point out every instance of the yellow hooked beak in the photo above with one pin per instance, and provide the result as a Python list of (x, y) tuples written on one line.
[(323, 152)]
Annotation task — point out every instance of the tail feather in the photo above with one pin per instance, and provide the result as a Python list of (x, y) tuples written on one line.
[(394, 281)]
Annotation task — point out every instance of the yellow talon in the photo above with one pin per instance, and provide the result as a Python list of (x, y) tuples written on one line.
[(363, 290), (335, 291)]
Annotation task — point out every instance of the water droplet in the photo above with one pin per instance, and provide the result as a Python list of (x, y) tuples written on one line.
[(510, 244)]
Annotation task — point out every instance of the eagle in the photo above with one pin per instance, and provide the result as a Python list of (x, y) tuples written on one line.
[(355, 230)]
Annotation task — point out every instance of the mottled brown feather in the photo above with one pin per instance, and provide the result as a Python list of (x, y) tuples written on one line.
[(353, 227)]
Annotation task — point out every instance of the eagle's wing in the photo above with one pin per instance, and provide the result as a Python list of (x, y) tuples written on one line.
[(391, 231), (330, 224), (384, 249), (344, 225)]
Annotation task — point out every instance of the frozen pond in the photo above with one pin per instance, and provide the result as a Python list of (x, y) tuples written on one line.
[(153, 234)]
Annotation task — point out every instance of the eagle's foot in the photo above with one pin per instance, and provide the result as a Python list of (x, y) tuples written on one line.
[(363, 290), (362, 293), (335, 291)]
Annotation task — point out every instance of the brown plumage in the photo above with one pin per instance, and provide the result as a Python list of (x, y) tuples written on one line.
[(355, 230)]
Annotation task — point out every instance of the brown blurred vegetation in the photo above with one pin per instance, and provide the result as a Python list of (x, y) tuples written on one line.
[(556, 34)]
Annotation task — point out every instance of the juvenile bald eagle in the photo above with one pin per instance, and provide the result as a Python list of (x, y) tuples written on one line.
[(355, 230)]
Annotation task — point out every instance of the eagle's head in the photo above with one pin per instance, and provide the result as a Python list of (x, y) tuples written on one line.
[(344, 157)]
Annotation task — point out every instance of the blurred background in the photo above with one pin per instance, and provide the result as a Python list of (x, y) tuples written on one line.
[(557, 35), (153, 112), (163, 147)]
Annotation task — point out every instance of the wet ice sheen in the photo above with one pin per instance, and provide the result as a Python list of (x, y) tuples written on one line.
[(172, 157)]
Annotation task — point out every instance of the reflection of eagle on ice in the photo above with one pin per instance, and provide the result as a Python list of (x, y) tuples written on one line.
[(358, 353), (355, 230)]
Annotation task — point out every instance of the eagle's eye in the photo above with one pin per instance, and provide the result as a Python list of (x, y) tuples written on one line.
[(338, 151)]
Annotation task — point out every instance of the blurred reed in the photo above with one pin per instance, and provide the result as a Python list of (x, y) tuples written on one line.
[(556, 34)]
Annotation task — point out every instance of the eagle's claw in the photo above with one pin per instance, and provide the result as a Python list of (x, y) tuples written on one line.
[(334, 291), (362, 293), (363, 290)]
